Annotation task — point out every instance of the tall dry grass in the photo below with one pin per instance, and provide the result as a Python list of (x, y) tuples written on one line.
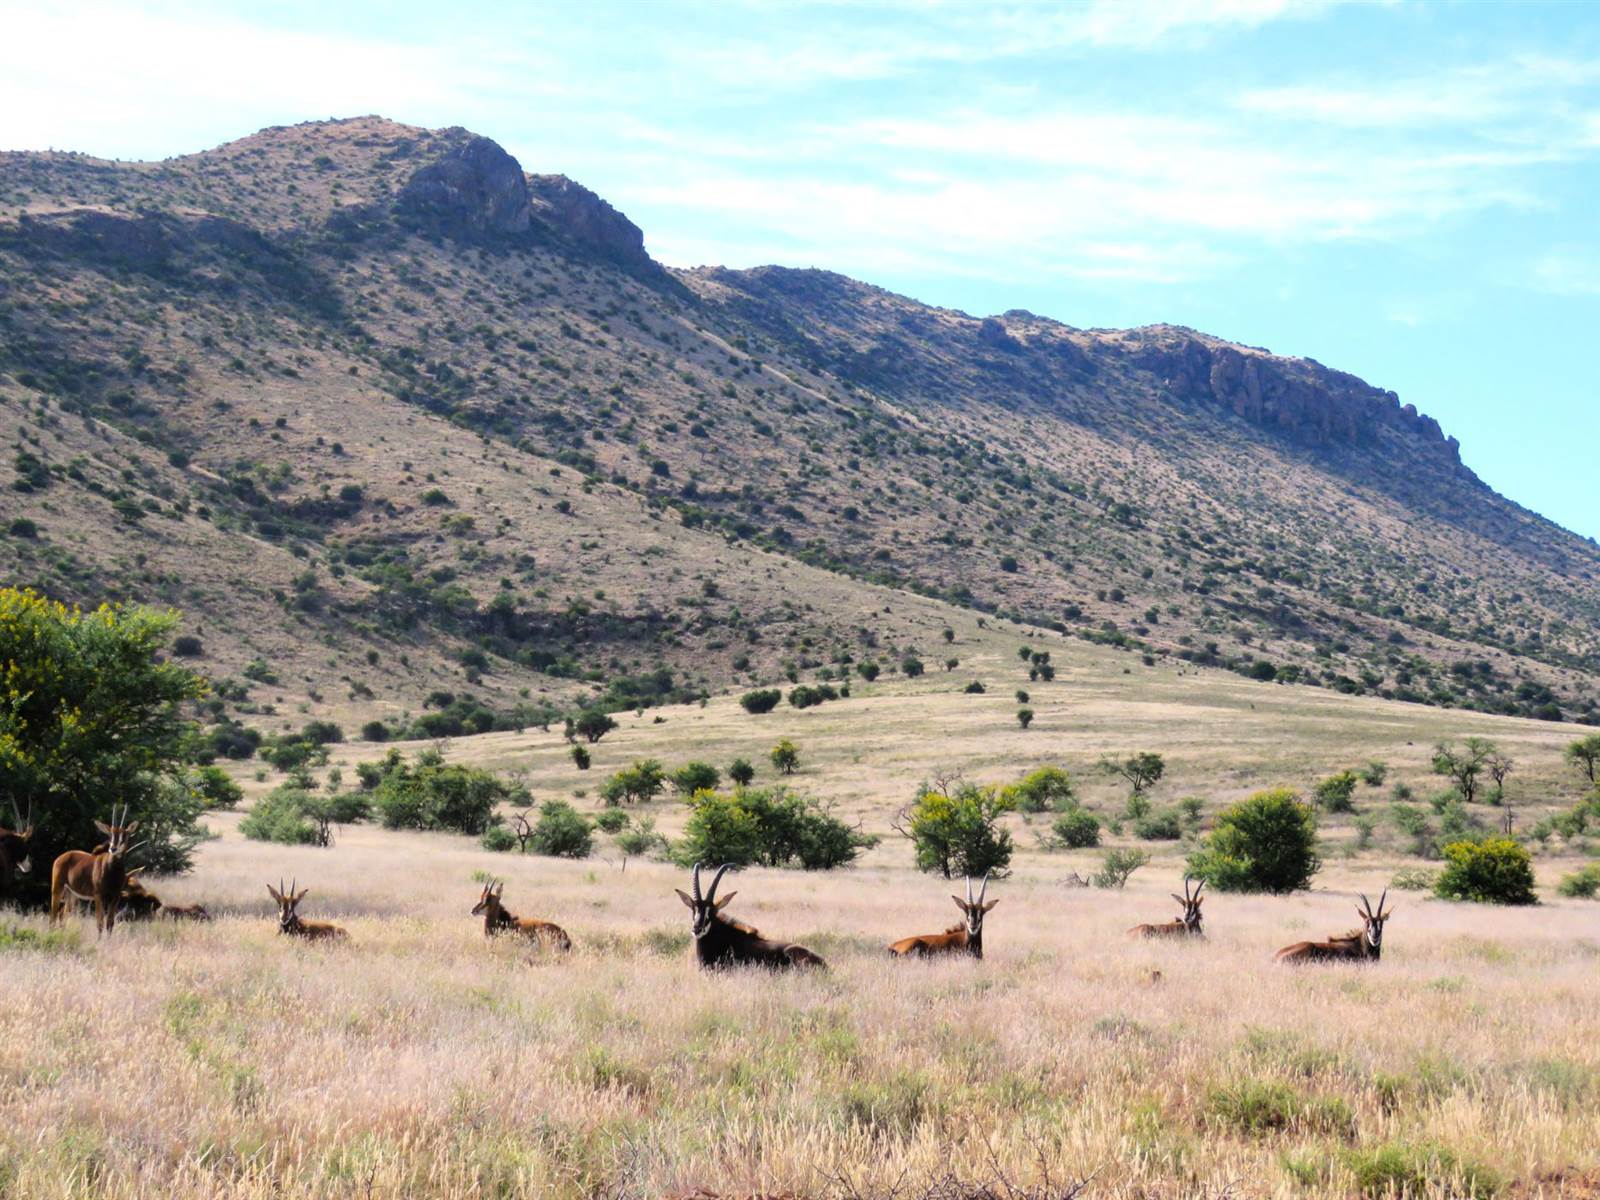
[(226, 1061)]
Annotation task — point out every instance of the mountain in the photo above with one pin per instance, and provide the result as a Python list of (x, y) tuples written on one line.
[(386, 417)]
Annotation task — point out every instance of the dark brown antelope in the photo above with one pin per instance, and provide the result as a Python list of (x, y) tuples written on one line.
[(965, 938), (289, 921), (14, 857), (719, 942), (1359, 945), (95, 876), (185, 912), (138, 902), (497, 920), (1188, 925)]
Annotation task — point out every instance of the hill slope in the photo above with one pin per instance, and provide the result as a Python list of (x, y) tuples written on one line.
[(380, 410)]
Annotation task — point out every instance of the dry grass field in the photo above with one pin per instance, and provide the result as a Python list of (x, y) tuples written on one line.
[(419, 1060)]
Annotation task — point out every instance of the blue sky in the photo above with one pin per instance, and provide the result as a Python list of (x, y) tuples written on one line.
[(1409, 192)]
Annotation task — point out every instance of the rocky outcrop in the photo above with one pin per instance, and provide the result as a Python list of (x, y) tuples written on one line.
[(474, 191), (576, 213)]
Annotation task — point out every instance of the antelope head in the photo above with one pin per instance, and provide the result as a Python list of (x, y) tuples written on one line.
[(973, 910), (489, 902), (1191, 904), (118, 834), (287, 902), (704, 908), (1373, 933), (14, 841)]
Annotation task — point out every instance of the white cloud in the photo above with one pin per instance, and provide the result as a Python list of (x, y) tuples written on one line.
[(1566, 271)]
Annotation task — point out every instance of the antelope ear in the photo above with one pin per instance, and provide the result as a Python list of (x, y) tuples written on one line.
[(130, 830), (300, 897), (103, 828), (1388, 914), (725, 901), (276, 894), (687, 899), (960, 903), (1177, 897), (990, 905)]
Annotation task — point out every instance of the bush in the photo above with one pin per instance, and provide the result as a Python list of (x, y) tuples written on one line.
[(959, 832), (1337, 792), (1496, 870), (772, 827), (1024, 717), (974, 688), (216, 788), (1260, 1107), (785, 757), (763, 700), (1581, 885), (1078, 829), (581, 758), (638, 784), (868, 670), (741, 772), (695, 777), (230, 740), (1117, 866), (374, 731), (322, 733), (1374, 773), (1142, 771), (611, 820), (1401, 1170), (1415, 879), (593, 725), (1266, 843), (808, 696), (642, 840), (1159, 827), (561, 832), (187, 646), (279, 816), (911, 666), (431, 795), (498, 839), (1049, 789)]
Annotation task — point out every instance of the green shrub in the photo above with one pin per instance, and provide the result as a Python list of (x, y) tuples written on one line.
[(1076, 829), (1337, 792), (611, 820), (785, 757), (763, 700), (432, 795), (695, 777), (581, 758), (911, 666), (974, 688), (1414, 879), (1117, 866), (216, 788), (773, 827), (1142, 771), (1581, 885), (809, 695), (741, 772), (1402, 1171), (1374, 773), (1049, 789), (958, 832), (499, 839), (1266, 843), (561, 832), (593, 725), (375, 731), (638, 784), (1024, 717), (322, 733), (868, 670), (642, 840), (1159, 827), (280, 816), (1261, 1107), (1496, 870)]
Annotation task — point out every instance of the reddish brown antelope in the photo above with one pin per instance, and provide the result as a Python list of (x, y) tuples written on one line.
[(496, 920), (1188, 925), (719, 942), (185, 912), (14, 857), (138, 903), (94, 876), (289, 921), (965, 938), (1359, 945)]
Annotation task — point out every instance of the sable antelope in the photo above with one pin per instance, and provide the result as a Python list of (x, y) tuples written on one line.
[(496, 920), (289, 921), (14, 857), (95, 876), (185, 912), (966, 937), (138, 903), (719, 942), (1188, 925), (1360, 945)]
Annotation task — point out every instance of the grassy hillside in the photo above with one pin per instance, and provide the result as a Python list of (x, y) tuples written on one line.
[(386, 417)]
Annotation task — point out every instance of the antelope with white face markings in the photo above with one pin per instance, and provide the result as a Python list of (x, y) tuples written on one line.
[(1359, 945), (95, 876), (719, 942), (1187, 925), (965, 938), (14, 857), (289, 921), (497, 920)]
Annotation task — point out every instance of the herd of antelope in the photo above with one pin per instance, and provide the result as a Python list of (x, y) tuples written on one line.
[(100, 877)]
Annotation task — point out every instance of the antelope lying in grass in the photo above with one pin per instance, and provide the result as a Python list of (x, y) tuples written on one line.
[(95, 876), (719, 942), (14, 857), (185, 912), (289, 921), (496, 920), (966, 937), (138, 903), (1188, 925), (1359, 945)]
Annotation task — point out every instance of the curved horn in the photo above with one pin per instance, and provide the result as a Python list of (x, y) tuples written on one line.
[(984, 890), (697, 882), (711, 894), (969, 889), (1381, 899), (1365, 903)]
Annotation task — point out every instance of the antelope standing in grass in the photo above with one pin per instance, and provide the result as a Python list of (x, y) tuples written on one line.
[(289, 921), (719, 942), (1188, 925), (95, 876), (14, 857), (965, 938), (1359, 945), (497, 920)]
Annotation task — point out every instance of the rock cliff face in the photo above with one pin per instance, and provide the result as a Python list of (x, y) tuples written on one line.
[(576, 212), (1302, 399), (476, 190)]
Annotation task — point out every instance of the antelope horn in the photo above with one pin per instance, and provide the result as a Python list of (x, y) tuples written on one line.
[(716, 879), (697, 883), (1381, 899), (984, 890), (969, 891), (1365, 903)]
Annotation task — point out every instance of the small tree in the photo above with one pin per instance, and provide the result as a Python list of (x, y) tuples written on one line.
[(1463, 766), (1024, 717), (695, 777), (1584, 754), (593, 725), (868, 670), (1117, 866), (1498, 767), (741, 772), (1336, 793), (561, 832), (773, 827), (637, 784), (786, 757), (1075, 829), (911, 666), (1049, 789), (1266, 843), (1142, 771), (1495, 870), (1374, 773), (763, 700), (343, 808), (581, 758), (955, 829)]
